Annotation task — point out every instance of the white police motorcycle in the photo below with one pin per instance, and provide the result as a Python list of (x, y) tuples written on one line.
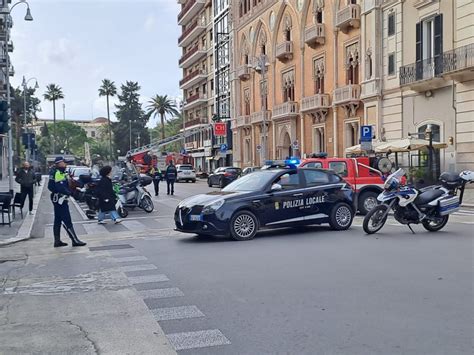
[(430, 206)]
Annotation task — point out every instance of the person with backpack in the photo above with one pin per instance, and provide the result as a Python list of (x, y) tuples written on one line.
[(58, 184), (157, 176), (107, 196), (26, 178), (170, 176)]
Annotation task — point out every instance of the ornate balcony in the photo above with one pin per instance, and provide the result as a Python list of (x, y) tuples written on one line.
[(348, 97), (242, 121), (258, 117), (423, 75), (190, 10), (192, 79), (191, 56), (317, 106), (458, 64), (371, 88), (348, 17), (286, 110), (195, 100), (192, 32), (284, 51), (315, 35), (196, 122), (243, 72)]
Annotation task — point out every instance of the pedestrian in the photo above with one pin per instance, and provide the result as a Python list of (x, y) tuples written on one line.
[(170, 176), (157, 176), (59, 186), (26, 178), (107, 196)]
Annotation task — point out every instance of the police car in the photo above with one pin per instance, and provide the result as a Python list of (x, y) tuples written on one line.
[(269, 198)]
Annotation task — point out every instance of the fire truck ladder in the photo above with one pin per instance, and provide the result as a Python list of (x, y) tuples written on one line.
[(158, 143)]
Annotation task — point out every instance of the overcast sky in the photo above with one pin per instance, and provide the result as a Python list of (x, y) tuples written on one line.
[(77, 43)]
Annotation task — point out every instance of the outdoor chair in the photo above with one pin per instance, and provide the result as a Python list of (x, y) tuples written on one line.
[(5, 207), (18, 202)]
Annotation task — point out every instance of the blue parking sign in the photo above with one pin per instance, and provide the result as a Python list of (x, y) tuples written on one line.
[(223, 148), (366, 134)]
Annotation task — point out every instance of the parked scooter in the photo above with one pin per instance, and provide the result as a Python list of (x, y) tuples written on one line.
[(134, 194), (430, 206)]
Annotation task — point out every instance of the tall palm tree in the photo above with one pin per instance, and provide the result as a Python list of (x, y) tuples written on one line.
[(53, 93), (108, 89), (163, 106)]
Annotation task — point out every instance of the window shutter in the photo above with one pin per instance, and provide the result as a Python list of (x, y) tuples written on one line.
[(438, 44), (419, 50)]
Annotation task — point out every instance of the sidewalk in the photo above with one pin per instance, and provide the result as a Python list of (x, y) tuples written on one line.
[(20, 229), (468, 199)]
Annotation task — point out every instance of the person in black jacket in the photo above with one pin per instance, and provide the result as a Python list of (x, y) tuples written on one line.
[(26, 178), (170, 176), (157, 176), (107, 197)]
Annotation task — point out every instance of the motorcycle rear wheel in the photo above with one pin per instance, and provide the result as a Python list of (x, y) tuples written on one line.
[(147, 204), (374, 220), (123, 213), (434, 226)]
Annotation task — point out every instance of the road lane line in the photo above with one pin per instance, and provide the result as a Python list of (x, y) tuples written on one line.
[(79, 209), (143, 267), (161, 293), (199, 339), (135, 280), (130, 258), (95, 228), (133, 225), (174, 313)]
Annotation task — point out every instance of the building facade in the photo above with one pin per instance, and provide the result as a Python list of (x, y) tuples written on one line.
[(309, 96), (95, 129)]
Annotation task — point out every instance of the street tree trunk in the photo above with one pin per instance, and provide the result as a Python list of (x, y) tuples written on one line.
[(162, 126), (54, 127)]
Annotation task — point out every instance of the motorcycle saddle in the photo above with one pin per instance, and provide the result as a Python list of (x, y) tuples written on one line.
[(428, 196)]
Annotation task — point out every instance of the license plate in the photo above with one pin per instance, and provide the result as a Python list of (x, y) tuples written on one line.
[(187, 173), (195, 218)]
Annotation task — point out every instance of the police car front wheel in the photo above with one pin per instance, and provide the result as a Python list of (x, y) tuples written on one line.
[(341, 217), (243, 226)]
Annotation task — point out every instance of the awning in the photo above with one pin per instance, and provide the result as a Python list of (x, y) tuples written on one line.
[(407, 145)]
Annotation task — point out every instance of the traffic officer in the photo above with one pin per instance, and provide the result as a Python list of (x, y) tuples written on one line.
[(59, 186), (157, 176)]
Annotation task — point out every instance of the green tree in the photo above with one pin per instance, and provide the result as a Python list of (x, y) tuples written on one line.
[(161, 105), (52, 94), (172, 127), (72, 136), (129, 113), (108, 89)]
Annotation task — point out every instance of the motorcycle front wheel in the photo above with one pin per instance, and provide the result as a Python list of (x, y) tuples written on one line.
[(147, 204), (375, 219), (435, 225)]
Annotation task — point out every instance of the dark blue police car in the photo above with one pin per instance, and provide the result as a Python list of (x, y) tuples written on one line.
[(269, 198)]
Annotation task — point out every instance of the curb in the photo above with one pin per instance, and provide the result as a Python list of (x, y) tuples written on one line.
[(24, 233)]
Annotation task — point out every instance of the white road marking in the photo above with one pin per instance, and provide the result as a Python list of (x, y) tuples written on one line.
[(161, 293), (79, 209), (95, 228), (199, 339), (131, 268), (133, 225), (130, 258), (134, 280), (173, 313)]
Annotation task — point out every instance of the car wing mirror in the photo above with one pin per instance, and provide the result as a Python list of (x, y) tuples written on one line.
[(276, 187)]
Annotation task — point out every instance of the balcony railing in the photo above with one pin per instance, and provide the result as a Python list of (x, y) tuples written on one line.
[(423, 70), (243, 121), (190, 53), (286, 110), (189, 5), (191, 76), (187, 31), (257, 117), (347, 94), (195, 122), (315, 34), (191, 101), (243, 72), (458, 59), (315, 103), (284, 50), (348, 17)]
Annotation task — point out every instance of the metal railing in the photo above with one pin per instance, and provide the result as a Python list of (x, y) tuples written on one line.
[(284, 49), (315, 102), (189, 53), (188, 6), (195, 122), (195, 97), (347, 93), (422, 70), (286, 109), (349, 13), (192, 76), (458, 59)]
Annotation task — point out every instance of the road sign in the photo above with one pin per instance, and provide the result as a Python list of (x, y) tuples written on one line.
[(220, 129), (223, 148), (366, 134), (296, 145), (259, 147)]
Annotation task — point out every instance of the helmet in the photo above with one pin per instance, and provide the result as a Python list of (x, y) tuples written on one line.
[(467, 175)]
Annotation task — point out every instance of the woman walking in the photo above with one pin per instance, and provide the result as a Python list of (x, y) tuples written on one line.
[(107, 197)]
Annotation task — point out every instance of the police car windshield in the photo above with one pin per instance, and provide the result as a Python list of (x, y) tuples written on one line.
[(251, 182)]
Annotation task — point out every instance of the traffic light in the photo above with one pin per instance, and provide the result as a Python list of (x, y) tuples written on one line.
[(4, 127)]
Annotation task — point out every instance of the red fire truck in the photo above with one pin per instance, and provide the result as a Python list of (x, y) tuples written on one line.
[(364, 174)]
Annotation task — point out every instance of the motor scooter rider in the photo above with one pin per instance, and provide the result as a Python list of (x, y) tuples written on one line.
[(59, 186)]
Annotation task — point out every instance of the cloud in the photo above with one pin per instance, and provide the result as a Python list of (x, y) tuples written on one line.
[(149, 23), (61, 51)]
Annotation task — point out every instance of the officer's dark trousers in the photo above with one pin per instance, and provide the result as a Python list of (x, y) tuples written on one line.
[(156, 183), (61, 215), (170, 184), (27, 191)]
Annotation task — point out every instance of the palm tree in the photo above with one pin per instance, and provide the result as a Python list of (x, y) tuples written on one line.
[(108, 89), (163, 106), (53, 93)]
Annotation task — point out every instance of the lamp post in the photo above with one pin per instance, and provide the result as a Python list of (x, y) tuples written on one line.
[(261, 67), (25, 87), (8, 24)]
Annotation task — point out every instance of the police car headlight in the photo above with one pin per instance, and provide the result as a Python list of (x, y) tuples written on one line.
[(213, 207)]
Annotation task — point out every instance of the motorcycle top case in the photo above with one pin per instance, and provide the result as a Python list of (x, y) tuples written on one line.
[(448, 205)]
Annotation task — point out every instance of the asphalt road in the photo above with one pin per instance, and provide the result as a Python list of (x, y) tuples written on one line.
[(303, 291)]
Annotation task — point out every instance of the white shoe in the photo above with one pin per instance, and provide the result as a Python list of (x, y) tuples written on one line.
[(31, 213), (118, 221), (102, 222)]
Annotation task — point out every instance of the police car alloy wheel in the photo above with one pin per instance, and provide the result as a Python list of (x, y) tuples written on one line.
[(341, 217), (243, 226), (367, 201)]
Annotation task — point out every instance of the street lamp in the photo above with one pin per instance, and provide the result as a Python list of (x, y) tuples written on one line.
[(25, 87), (6, 11), (261, 67)]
